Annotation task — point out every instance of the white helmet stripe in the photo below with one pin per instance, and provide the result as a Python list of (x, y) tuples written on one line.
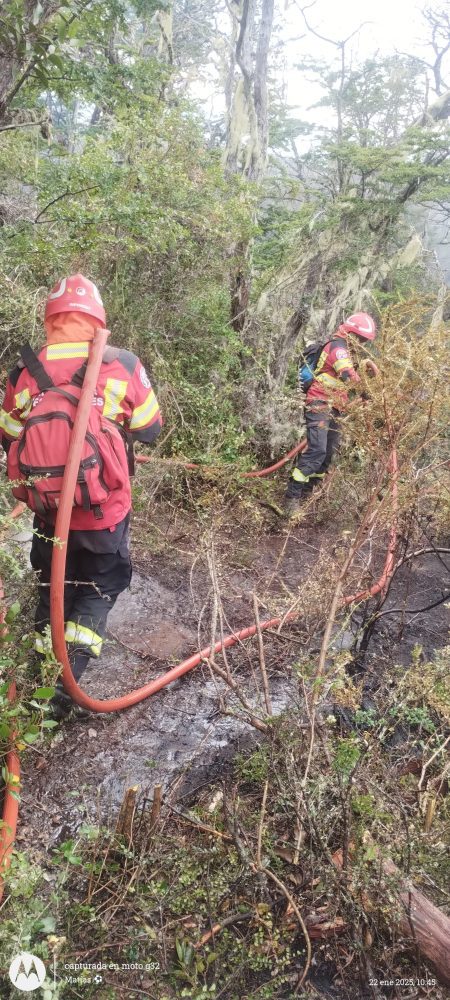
[(356, 320), (97, 295), (59, 290)]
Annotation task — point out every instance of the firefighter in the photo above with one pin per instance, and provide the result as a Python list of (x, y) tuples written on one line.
[(33, 427), (325, 400)]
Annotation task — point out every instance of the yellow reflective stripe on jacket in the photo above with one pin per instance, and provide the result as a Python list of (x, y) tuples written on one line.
[(144, 413), (321, 362), (10, 426), (329, 381), (84, 636), (115, 392), (343, 365), (59, 352), (23, 402)]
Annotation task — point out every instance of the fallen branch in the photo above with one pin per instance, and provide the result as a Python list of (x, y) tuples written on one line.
[(42, 121), (201, 826), (234, 918), (262, 659), (419, 920)]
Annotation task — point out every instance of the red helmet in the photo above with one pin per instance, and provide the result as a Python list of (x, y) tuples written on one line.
[(362, 324), (76, 294)]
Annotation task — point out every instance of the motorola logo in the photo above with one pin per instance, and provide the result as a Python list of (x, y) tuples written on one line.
[(27, 972)]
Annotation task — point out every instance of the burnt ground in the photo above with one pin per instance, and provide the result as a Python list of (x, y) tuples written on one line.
[(179, 738)]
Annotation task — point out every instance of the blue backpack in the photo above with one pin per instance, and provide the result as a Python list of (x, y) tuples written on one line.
[(307, 365)]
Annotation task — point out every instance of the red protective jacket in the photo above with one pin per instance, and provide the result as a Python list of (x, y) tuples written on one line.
[(124, 394), (334, 367)]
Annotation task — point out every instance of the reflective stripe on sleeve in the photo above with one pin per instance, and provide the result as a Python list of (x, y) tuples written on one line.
[(84, 636), (145, 413), (115, 392), (23, 402), (340, 366), (10, 426)]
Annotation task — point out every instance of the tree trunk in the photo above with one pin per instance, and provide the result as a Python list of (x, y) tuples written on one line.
[(164, 18), (420, 921), (247, 125)]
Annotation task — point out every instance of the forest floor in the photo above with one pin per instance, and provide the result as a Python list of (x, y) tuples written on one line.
[(178, 738), (181, 738)]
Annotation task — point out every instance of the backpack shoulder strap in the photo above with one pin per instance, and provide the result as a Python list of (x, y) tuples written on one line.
[(78, 376), (36, 368)]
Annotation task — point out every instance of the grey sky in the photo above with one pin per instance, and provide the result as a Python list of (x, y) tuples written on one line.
[(393, 25)]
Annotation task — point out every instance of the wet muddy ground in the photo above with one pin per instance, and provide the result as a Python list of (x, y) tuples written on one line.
[(178, 737)]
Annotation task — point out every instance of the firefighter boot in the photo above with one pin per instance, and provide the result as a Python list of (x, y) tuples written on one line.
[(294, 501), (62, 706)]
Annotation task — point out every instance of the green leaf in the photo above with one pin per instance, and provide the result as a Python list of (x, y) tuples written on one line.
[(44, 693), (47, 925), (36, 13), (56, 61), (12, 612)]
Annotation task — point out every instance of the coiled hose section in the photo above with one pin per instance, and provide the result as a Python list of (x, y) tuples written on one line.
[(10, 814)]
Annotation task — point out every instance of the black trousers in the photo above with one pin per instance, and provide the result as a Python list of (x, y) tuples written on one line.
[(323, 437), (94, 580)]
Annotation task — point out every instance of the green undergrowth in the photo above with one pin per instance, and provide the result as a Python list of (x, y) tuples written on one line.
[(213, 898), (28, 713)]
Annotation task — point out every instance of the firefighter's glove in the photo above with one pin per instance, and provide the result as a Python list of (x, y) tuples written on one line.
[(370, 368)]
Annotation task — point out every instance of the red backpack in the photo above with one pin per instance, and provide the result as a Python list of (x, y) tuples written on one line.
[(38, 456)]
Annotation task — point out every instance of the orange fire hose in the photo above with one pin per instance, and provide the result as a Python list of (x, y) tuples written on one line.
[(11, 801), (12, 762), (59, 563), (255, 474), (62, 527)]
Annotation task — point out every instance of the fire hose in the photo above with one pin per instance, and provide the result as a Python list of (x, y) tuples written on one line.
[(12, 772), (62, 527)]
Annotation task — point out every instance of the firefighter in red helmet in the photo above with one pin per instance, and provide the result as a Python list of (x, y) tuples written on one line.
[(38, 409), (326, 397)]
